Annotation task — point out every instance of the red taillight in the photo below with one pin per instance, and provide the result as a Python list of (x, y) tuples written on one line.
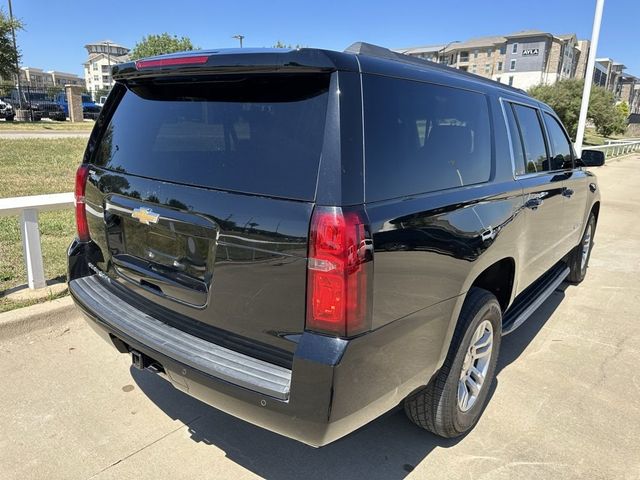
[(172, 61), (81, 213), (340, 250)]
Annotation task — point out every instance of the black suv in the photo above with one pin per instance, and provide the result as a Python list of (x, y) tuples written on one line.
[(305, 238)]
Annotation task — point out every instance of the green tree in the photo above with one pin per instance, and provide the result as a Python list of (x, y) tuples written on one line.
[(280, 44), (8, 56), (623, 117), (152, 45), (565, 97), (102, 92)]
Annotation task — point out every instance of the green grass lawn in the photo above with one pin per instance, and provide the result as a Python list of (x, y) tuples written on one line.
[(45, 125), (32, 167), (595, 139)]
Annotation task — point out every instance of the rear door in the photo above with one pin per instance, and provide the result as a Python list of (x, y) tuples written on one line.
[(200, 196), (543, 186)]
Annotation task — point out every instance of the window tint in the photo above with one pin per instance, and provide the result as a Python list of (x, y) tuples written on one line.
[(257, 134), (421, 137), (535, 150), (561, 152), (516, 141)]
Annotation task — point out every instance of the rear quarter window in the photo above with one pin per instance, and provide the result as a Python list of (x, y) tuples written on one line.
[(421, 137)]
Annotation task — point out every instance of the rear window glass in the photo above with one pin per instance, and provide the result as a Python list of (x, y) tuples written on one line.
[(421, 137), (253, 134)]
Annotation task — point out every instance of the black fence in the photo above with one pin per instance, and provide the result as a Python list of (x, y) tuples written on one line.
[(34, 104)]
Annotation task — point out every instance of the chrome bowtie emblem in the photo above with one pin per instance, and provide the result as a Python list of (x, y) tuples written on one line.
[(145, 215)]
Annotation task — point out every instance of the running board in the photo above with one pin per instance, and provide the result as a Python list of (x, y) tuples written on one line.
[(533, 297)]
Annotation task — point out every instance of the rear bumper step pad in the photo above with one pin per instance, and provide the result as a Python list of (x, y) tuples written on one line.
[(228, 365)]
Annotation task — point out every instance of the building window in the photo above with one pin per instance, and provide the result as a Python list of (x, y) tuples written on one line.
[(489, 52), (95, 78), (499, 66), (95, 67), (503, 49), (464, 56), (487, 67), (473, 68), (514, 49), (475, 53), (498, 79), (512, 65), (511, 81)]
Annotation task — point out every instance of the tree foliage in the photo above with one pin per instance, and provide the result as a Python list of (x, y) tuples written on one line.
[(280, 44), (565, 97), (8, 56), (153, 45)]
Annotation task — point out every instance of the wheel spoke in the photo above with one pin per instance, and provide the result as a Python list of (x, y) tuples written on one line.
[(473, 386), (482, 352), (463, 395), (477, 376), (484, 340)]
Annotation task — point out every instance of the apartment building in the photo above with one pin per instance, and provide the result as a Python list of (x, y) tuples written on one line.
[(101, 57), (520, 59), (630, 92), (38, 78)]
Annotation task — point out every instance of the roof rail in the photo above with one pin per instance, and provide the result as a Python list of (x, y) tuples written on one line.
[(370, 50)]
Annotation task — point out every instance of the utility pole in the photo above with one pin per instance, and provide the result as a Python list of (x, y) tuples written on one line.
[(15, 48), (109, 62), (588, 79), (442, 50), (239, 37)]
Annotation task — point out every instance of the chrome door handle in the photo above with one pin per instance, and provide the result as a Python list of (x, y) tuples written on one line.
[(533, 203)]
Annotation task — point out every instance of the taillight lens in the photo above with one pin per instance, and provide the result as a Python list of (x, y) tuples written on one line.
[(81, 212), (338, 272), (172, 61)]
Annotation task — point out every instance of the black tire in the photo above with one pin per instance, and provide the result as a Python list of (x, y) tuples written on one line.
[(578, 268), (9, 119), (435, 407)]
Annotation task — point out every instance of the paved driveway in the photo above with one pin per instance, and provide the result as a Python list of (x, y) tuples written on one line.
[(566, 403)]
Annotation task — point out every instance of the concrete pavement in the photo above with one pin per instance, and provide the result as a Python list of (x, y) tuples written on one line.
[(566, 403)]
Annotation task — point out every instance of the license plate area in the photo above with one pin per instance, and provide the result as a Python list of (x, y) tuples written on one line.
[(168, 252)]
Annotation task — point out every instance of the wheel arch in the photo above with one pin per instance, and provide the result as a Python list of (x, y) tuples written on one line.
[(498, 278)]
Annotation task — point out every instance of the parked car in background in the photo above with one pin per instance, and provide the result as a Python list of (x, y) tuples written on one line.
[(90, 109), (6, 111), (305, 239), (40, 104), (101, 101)]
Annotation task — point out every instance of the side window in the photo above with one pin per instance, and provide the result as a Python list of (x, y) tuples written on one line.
[(516, 141), (561, 152), (535, 150), (421, 137)]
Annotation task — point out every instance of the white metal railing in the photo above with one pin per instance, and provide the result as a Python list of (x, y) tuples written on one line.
[(616, 149), (623, 140), (28, 209)]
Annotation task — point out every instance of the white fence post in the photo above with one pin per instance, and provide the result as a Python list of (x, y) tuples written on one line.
[(32, 249), (27, 208)]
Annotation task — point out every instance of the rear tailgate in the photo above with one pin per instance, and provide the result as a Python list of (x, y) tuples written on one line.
[(200, 195)]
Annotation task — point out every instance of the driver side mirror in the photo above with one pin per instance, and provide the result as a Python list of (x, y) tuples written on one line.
[(591, 158)]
